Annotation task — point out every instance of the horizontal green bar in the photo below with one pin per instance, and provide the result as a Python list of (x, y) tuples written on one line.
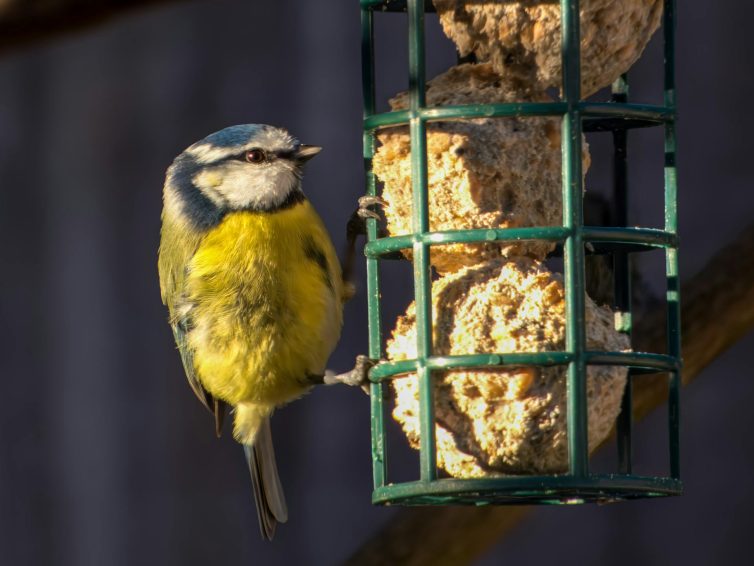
[(495, 110), (556, 489), (644, 112), (386, 370), (396, 243), (641, 237), (639, 360), (466, 111), (650, 237), (652, 112)]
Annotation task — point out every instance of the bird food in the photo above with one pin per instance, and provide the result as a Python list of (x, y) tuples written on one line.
[(482, 173), (508, 420), (522, 40)]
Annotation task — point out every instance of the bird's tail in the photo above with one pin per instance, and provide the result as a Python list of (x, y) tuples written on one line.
[(268, 492)]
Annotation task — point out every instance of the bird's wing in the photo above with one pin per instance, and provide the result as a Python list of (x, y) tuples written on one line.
[(268, 491), (177, 246), (187, 357), (215, 406)]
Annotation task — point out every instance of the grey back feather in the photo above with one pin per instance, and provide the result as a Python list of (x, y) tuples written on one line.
[(268, 491)]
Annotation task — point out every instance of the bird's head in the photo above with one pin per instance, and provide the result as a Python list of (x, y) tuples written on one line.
[(246, 167)]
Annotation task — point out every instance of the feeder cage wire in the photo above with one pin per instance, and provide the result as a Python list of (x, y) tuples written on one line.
[(577, 485)]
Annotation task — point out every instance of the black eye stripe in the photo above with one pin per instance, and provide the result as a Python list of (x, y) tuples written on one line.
[(271, 156), (284, 154)]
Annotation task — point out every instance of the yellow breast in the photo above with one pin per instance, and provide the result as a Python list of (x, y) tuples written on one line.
[(266, 296)]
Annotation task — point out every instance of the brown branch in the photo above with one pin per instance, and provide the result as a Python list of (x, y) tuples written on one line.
[(25, 21), (718, 309)]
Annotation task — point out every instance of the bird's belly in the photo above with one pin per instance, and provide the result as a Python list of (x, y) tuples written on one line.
[(264, 317)]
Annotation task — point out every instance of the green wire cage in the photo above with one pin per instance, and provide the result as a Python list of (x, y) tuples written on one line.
[(578, 484)]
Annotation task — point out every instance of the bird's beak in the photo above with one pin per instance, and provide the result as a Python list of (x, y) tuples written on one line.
[(306, 152)]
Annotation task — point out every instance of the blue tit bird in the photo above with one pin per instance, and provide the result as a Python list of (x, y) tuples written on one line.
[(253, 287)]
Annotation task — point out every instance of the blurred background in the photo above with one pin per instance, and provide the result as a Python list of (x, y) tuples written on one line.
[(106, 457)]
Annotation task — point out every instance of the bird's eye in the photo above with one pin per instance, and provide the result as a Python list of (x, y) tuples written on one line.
[(256, 156)]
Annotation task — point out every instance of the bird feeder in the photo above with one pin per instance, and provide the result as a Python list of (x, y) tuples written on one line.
[(576, 483)]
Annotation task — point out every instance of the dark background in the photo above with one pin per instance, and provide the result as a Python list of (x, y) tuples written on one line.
[(106, 457)]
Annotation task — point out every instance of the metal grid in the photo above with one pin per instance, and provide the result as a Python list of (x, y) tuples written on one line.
[(618, 116)]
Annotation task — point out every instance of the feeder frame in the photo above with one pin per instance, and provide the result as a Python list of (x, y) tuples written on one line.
[(618, 116)]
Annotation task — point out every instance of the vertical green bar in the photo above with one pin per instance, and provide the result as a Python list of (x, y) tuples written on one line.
[(422, 279), (573, 254), (376, 393), (622, 274), (671, 254)]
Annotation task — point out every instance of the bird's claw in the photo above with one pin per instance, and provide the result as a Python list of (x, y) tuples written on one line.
[(357, 226), (371, 200), (357, 377), (357, 223), (367, 201)]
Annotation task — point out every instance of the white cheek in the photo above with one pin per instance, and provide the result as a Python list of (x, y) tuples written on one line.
[(257, 187)]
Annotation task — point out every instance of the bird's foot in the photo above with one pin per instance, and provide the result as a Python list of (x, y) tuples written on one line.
[(368, 201), (358, 376), (357, 226), (357, 222)]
